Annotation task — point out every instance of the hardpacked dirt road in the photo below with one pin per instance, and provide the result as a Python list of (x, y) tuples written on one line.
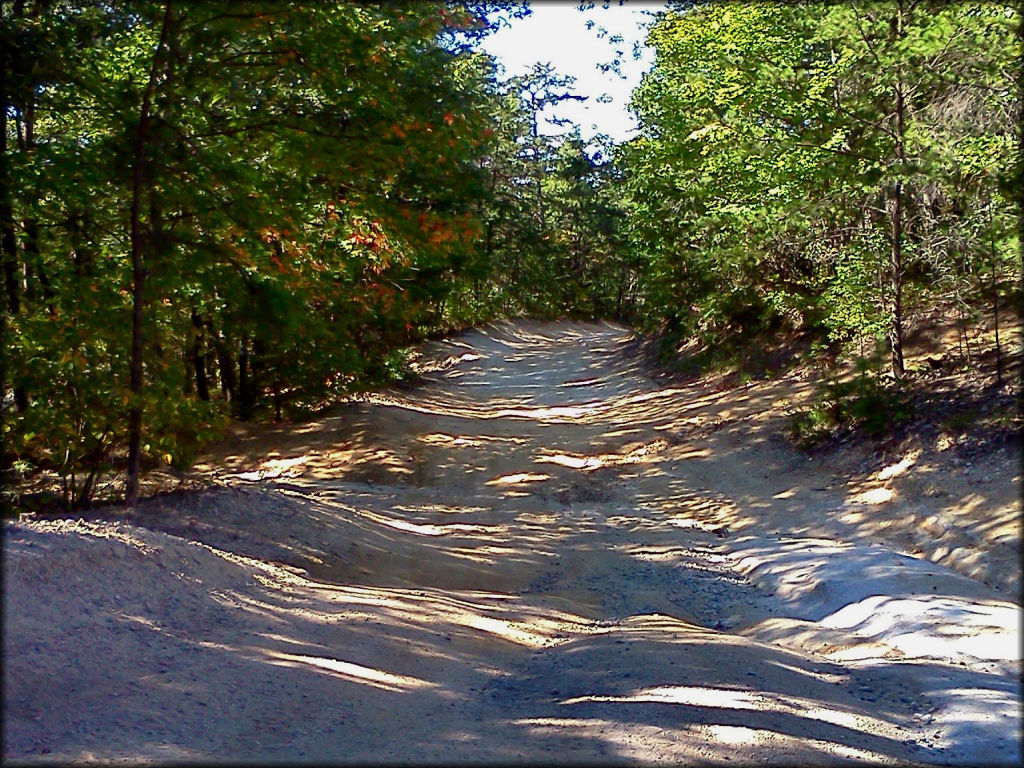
[(537, 554)]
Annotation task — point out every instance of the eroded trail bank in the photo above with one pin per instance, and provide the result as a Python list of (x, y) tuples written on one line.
[(536, 554)]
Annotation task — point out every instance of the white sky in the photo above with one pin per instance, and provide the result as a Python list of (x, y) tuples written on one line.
[(556, 33)]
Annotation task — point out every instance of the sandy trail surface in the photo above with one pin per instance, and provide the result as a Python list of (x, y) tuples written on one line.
[(537, 554)]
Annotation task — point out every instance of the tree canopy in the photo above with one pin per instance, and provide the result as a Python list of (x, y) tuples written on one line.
[(831, 167), (250, 209)]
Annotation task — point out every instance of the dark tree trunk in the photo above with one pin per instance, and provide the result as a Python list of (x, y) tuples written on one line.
[(188, 356), (225, 365), (246, 394), (995, 319), (8, 242), (896, 282), (9, 254), (33, 258), (995, 294), (8, 239), (35, 271), (9, 246), (199, 358), (12, 297), (896, 212), (138, 267), (84, 253), (621, 294)]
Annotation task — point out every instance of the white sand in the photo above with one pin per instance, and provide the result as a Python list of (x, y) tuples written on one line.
[(537, 555)]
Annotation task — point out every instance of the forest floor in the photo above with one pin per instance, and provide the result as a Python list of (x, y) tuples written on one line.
[(536, 553)]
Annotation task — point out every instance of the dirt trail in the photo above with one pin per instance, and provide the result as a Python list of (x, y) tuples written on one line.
[(536, 555)]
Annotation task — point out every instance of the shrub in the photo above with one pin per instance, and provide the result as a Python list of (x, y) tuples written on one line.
[(864, 402)]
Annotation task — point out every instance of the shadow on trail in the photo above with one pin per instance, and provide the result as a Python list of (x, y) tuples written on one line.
[(528, 553), (348, 667)]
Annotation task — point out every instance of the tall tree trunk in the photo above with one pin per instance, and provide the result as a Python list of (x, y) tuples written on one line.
[(8, 240), (225, 364), (138, 266), (83, 253), (199, 357), (896, 281), (995, 296), (9, 254), (538, 173), (33, 256), (188, 357), (537, 170), (246, 399), (896, 213), (995, 320), (8, 246)]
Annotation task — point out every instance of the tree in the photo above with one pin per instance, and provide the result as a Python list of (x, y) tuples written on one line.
[(781, 146), (273, 198), (550, 214)]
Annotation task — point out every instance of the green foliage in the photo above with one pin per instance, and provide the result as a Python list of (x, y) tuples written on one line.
[(292, 194), (305, 180), (550, 243), (775, 142), (851, 303), (865, 401)]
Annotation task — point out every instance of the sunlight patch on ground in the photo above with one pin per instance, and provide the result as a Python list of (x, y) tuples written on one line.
[(693, 453), (555, 413), (669, 393), (872, 497), (682, 694), (638, 454), (659, 555), (440, 438), (427, 529), (506, 630), (482, 611), (736, 734), (422, 366), (542, 726), (355, 672), (731, 698), (938, 627), (689, 522), (899, 468), (740, 735), (445, 509), (272, 468), (586, 463), (121, 533), (141, 620), (518, 477), (717, 742)]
